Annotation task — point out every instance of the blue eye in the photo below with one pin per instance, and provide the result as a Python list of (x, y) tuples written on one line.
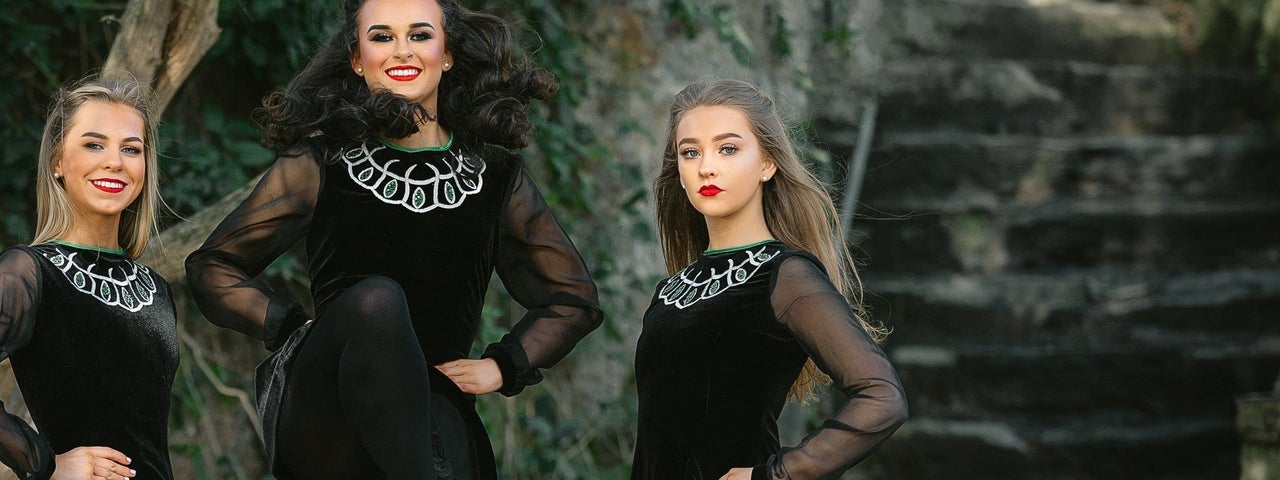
[(132, 150), (94, 146), (728, 150), (689, 153)]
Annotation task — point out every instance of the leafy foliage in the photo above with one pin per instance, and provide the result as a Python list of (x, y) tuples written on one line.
[(48, 43)]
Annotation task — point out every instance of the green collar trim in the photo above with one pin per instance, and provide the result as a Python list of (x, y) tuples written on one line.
[(117, 251), (734, 249), (438, 148)]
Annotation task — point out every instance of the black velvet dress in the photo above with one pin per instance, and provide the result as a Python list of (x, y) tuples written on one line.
[(724, 339), (438, 222), (92, 336)]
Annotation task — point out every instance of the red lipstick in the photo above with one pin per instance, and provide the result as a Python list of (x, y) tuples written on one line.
[(403, 73), (109, 185), (709, 190)]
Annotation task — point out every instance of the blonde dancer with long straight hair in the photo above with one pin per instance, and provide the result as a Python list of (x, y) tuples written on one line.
[(92, 333)]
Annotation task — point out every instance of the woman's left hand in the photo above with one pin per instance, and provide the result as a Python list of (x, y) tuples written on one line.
[(737, 474), (476, 377)]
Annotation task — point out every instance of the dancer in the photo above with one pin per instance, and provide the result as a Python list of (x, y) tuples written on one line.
[(394, 167), (92, 333), (759, 315)]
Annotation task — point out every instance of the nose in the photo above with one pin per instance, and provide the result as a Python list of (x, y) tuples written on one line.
[(706, 167), (113, 161), (403, 52)]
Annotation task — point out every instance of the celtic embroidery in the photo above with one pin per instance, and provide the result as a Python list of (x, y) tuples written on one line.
[(447, 184), (700, 282), (130, 290)]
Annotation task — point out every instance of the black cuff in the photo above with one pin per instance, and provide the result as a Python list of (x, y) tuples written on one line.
[(511, 362), (283, 317), (44, 474), (760, 472)]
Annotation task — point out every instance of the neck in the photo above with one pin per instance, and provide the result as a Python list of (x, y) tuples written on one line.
[(736, 232), (101, 233), (430, 134)]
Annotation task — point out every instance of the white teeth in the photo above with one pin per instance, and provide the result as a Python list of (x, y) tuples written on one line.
[(402, 72), (108, 184)]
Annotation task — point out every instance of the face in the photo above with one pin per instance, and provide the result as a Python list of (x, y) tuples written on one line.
[(401, 48), (102, 166), (721, 163)]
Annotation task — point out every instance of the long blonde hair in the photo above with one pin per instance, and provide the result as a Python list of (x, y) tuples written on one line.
[(797, 209), (53, 210)]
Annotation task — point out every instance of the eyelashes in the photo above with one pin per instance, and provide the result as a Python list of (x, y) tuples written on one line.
[(726, 150)]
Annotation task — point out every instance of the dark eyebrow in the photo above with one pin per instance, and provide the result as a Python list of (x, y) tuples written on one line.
[(717, 138), (412, 25), (104, 137)]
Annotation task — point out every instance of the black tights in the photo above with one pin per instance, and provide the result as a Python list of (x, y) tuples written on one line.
[(358, 400)]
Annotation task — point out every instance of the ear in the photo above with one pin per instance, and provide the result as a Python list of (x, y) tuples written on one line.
[(355, 62), (768, 169), (448, 60), (57, 169)]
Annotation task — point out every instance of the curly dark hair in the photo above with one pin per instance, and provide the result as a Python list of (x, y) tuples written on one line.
[(484, 98)]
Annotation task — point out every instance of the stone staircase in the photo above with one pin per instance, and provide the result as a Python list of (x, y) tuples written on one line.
[(1075, 238)]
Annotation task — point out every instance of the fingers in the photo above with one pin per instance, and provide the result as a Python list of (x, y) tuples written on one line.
[(108, 453), (113, 472), (462, 373)]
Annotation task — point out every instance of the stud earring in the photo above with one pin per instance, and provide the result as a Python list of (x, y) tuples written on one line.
[(359, 70), (764, 178), (57, 175)]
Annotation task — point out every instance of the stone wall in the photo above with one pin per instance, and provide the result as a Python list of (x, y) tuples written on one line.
[(1073, 234)]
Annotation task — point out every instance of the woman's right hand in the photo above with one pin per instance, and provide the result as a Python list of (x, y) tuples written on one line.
[(92, 463)]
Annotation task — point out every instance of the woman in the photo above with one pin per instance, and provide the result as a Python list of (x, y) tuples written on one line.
[(92, 334), (393, 167), (726, 337)]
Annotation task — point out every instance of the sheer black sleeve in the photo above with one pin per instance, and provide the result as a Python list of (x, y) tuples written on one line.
[(223, 272), (806, 302), (543, 272), (21, 448)]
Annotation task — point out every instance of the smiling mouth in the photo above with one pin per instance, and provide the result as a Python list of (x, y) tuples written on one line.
[(709, 190), (109, 186), (403, 74)]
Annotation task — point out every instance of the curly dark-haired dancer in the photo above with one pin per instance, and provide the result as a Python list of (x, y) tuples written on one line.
[(394, 166), (757, 308)]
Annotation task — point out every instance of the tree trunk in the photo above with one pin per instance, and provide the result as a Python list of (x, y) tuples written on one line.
[(161, 41), (176, 242)]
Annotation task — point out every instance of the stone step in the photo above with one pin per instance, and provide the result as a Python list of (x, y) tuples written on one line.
[(972, 232), (1064, 30), (1094, 308), (1052, 381), (1061, 98), (1175, 449), (1033, 169)]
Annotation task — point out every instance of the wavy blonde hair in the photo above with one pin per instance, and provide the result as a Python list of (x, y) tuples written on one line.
[(53, 210), (797, 209)]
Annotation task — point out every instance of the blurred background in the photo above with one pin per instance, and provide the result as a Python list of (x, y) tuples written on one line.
[(1067, 210)]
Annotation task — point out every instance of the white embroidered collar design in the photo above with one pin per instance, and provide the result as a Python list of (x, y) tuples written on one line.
[(130, 290), (451, 178), (700, 281)]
